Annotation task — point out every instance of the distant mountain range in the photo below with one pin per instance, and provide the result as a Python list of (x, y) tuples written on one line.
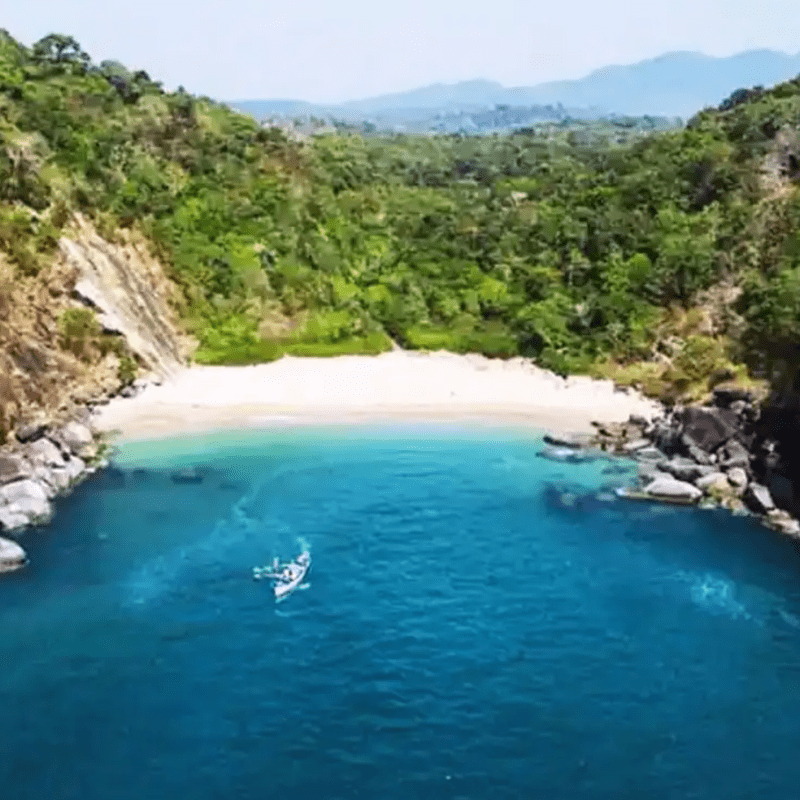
[(672, 85)]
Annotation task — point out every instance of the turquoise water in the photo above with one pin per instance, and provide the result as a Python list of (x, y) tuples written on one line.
[(467, 631)]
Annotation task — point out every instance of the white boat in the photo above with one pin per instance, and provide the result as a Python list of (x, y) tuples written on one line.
[(287, 577)]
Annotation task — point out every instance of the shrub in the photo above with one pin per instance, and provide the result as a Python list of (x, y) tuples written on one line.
[(79, 330)]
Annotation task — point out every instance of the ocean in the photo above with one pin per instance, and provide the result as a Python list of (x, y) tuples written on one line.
[(478, 622)]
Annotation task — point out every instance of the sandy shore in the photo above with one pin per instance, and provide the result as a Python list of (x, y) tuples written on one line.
[(393, 386)]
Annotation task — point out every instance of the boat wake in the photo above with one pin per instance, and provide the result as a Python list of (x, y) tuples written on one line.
[(722, 596), (159, 575)]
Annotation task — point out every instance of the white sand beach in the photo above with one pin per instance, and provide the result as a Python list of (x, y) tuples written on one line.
[(392, 386)]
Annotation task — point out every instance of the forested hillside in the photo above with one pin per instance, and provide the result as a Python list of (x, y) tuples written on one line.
[(671, 263)]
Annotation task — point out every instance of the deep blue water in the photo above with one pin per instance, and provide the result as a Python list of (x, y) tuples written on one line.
[(468, 631)]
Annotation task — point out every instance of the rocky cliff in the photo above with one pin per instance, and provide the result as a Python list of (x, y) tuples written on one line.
[(82, 328), (77, 332)]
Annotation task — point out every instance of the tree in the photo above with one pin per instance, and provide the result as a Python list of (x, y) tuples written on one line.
[(56, 48)]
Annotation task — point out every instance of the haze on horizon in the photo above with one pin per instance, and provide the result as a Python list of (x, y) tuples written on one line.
[(328, 53)]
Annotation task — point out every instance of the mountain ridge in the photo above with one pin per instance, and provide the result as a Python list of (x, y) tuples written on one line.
[(673, 84)]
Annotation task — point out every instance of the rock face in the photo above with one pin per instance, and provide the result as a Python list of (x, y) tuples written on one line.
[(12, 556), (44, 378), (708, 428), (130, 293)]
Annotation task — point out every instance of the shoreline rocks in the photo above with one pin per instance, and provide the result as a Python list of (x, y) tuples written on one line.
[(719, 455), (47, 461)]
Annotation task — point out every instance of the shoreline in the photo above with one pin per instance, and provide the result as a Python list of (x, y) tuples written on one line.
[(393, 387)]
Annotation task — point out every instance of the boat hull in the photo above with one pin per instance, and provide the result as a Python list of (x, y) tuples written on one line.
[(283, 590)]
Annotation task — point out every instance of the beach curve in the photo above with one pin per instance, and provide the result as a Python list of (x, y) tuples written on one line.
[(396, 385)]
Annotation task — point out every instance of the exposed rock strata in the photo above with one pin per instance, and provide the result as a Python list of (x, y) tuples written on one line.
[(41, 377), (130, 293)]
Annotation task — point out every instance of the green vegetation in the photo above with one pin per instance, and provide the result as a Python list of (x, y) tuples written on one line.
[(582, 253)]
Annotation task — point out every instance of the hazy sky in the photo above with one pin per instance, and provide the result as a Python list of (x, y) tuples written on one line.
[(333, 50)]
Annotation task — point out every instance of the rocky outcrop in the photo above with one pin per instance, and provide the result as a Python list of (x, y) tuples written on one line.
[(44, 376), (130, 294), (43, 468), (725, 453), (50, 377)]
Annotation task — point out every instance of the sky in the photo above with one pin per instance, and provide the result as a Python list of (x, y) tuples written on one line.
[(328, 51)]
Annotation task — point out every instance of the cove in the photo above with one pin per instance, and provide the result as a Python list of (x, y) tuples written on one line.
[(469, 631)]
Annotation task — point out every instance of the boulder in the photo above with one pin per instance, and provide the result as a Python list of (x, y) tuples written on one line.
[(685, 469), (31, 431), (76, 437), (57, 481), (725, 394), (738, 407), (44, 452), (12, 520), (649, 472), (12, 556), (737, 478), (708, 428), (782, 521), (673, 489), (734, 454), (667, 437), (636, 444), (694, 452), (714, 481), (26, 497), (573, 440), (76, 467), (759, 498), (13, 468), (648, 454)]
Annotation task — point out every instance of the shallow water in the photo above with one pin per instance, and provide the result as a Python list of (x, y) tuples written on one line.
[(478, 623)]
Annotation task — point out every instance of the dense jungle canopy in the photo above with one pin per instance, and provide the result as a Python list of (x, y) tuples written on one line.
[(670, 260)]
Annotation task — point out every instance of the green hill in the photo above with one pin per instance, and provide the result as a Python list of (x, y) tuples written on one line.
[(671, 262)]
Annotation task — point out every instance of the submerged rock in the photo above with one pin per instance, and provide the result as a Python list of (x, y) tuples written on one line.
[(191, 475), (12, 556)]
